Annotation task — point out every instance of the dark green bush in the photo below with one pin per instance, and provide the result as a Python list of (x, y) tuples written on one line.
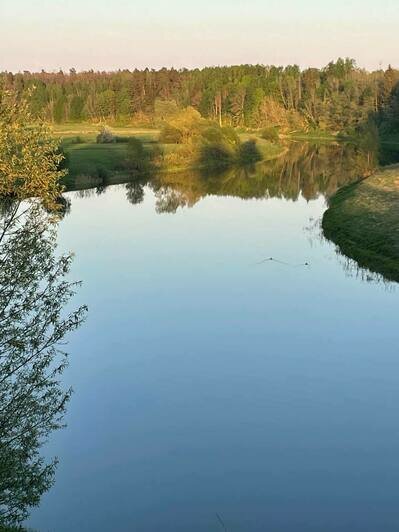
[(213, 155), (270, 133), (138, 159), (248, 152)]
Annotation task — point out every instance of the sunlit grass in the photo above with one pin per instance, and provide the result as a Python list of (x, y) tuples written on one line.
[(363, 220), (89, 131)]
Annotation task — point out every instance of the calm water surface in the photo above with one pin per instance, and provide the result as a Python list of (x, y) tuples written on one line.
[(213, 390)]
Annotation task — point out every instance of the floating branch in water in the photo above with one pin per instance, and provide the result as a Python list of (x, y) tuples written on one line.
[(282, 262)]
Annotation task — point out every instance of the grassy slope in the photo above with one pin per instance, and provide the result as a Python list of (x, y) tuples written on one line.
[(363, 220)]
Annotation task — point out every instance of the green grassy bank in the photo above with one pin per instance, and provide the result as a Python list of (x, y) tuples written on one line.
[(363, 221), (88, 160)]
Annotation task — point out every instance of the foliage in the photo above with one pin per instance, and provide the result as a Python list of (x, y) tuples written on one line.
[(64, 158), (165, 109), (220, 146), (189, 124), (30, 161), (206, 143), (248, 152), (306, 170), (270, 133), (33, 293), (213, 155), (365, 136), (134, 192), (170, 135), (215, 134), (336, 98), (138, 158), (105, 136)]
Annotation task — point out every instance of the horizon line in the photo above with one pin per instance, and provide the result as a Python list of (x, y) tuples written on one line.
[(72, 69)]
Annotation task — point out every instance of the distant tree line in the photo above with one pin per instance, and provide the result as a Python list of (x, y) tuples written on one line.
[(338, 97)]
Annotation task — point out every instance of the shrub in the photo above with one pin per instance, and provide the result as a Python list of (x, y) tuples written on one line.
[(214, 155), (188, 123), (105, 136), (230, 136), (170, 135), (138, 158), (213, 134), (248, 152), (270, 133)]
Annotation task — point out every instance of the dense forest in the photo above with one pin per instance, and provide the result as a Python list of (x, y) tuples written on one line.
[(338, 98)]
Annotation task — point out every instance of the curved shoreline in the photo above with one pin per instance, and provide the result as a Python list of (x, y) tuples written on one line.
[(363, 221)]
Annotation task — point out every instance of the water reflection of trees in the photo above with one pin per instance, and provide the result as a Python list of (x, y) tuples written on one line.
[(305, 170), (33, 327)]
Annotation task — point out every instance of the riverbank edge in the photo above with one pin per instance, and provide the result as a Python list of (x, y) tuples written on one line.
[(361, 221)]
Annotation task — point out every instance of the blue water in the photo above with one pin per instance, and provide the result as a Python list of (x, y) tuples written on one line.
[(212, 392)]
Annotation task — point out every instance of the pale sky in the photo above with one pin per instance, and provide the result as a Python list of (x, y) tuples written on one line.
[(112, 34)]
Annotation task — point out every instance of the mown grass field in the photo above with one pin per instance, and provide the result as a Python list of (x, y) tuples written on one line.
[(86, 158), (95, 159), (88, 132), (363, 220)]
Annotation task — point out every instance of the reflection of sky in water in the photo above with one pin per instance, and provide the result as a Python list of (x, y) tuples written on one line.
[(206, 384)]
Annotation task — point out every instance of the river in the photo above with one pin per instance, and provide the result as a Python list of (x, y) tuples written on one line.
[(215, 388)]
